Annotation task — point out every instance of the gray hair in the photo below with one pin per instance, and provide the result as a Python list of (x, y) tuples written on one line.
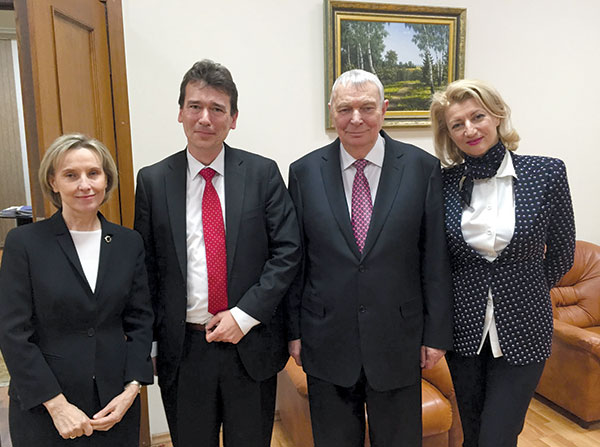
[(357, 78)]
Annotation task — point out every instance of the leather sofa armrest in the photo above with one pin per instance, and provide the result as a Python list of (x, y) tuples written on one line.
[(439, 376), (297, 376), (577, 337)]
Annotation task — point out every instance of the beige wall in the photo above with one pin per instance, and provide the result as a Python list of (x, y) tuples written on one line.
[(540, 54), (7, 20)]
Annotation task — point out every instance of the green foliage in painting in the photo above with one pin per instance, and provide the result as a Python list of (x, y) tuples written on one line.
[(408, 86)]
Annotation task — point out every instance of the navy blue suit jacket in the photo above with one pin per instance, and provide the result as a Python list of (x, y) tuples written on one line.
[(372, 310), (263, 255), (540, 253)]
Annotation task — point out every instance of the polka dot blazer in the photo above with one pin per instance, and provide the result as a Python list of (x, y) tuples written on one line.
[(539, 254)]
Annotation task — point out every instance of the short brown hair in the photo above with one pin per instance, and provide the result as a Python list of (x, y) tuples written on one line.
[(213, 75), (463, 90), (58, 149)]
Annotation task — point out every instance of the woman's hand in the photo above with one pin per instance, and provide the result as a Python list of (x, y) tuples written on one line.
[(110, 415), (69, 420)]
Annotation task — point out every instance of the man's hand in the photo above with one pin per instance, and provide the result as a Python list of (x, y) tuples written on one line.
[(70, 421), (110, 415), (430, 356), (223, 327), (294, 348)]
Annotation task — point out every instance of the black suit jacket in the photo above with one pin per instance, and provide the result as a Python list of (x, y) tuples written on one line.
[(540, 252), (374, 310), (263, 254), (57, 335)]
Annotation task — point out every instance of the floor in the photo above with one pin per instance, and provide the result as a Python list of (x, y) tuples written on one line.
[(544, 427)]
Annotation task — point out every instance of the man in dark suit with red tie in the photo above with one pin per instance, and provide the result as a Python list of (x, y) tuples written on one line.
[(222, 247), (372, 303)]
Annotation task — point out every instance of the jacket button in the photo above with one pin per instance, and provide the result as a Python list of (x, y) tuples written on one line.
[(182, 322), (91, 332), (361, 268), (362, 309)]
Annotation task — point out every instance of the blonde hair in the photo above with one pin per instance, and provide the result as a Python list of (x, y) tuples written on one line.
[(58, 149), (457, 92)]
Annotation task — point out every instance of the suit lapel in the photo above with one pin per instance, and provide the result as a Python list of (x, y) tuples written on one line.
[(454, 219), (525, 207), (66, 244), (389, 183), (175, 192), (68, 247), (453, 213), (331, 173), (106, 251), (235, 178)]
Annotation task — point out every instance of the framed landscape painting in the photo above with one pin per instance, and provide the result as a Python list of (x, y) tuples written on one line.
[(414, 50)]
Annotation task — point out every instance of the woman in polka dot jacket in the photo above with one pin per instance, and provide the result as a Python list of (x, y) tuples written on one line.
[(511, 237)]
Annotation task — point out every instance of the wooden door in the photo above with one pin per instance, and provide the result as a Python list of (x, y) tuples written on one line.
[(73, 79), (66, 78)]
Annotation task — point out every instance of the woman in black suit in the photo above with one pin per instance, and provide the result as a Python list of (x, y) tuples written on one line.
[(511, 237), (75, 313)]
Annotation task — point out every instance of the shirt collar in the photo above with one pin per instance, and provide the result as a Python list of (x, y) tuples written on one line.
[(506, 168), (218, 164), (374, 156)]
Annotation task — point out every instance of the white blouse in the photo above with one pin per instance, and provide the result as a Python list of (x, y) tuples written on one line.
[(87, 244), (488, 226)]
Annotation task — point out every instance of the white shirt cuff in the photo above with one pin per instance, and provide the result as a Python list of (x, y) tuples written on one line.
[(244, 321), (154, 351)]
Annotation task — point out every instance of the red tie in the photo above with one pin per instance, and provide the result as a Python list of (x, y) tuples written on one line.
[(214, 241)]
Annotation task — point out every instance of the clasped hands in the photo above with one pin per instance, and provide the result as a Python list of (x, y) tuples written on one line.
[(223, 327), (71, 422)]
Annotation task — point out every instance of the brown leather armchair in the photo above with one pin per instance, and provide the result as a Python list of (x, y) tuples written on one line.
[(571, 377), (441, 423)]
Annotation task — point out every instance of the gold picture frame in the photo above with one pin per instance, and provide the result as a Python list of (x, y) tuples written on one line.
[(414, 50)]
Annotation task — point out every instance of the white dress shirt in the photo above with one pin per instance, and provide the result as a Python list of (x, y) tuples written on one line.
[(372, 170), (87, 244), (197, 275), (488, 226)]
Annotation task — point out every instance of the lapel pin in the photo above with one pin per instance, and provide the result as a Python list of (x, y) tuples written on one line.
[(107, 238)]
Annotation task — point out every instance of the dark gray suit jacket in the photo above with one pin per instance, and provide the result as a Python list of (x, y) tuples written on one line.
[(263, 255), (372, 310)]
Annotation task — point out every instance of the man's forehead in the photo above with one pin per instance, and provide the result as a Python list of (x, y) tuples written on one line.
[(351, 92), (214, 94), (358, 97)]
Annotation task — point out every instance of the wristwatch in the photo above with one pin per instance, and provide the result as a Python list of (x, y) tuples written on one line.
[(136, 383)]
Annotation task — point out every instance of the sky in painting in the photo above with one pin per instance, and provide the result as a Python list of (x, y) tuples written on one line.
[(400, 40)]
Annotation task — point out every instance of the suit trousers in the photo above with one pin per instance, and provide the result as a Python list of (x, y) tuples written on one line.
[(338, 414), (213, 388), (493, 396), (33, 428)]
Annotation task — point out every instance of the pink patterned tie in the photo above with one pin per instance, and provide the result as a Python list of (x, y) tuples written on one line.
[(362, 207), (214, 241)]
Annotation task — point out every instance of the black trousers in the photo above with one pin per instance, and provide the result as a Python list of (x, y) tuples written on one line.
[(214, 389), (493, 397), (32, 428), (338, 414)]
